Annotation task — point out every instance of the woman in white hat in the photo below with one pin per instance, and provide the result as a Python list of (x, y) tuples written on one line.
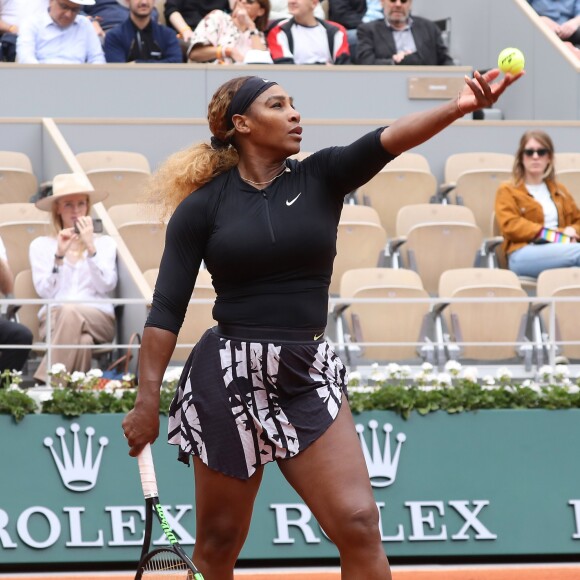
[(71, 265)]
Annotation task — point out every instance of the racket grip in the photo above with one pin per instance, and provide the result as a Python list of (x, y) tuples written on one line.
[(147, 472)]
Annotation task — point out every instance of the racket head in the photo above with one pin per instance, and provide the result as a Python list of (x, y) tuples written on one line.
[(167, 563)]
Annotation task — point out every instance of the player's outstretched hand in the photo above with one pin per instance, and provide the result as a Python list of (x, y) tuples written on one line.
[(482, 92)]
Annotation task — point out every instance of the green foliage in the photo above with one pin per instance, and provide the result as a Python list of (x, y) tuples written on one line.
[(394, 390), (16, 403), (456, 390)]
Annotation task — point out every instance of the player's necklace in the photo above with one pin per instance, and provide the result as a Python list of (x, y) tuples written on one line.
[(269, 180)]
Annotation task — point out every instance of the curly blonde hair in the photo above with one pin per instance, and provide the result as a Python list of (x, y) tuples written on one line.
[(191, 168)]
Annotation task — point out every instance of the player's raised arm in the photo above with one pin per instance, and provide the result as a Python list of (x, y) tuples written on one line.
[(412, 130)]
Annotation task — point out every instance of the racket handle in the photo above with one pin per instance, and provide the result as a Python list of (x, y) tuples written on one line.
[(147, 472)]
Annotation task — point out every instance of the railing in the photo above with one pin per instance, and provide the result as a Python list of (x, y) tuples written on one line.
[(546, 342)]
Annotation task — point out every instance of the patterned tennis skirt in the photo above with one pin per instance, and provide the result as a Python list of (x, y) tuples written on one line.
[(242, 403)]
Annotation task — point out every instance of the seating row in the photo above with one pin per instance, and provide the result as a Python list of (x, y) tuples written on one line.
[(481, 315)]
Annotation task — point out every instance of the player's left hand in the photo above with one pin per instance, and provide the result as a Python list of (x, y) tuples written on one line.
[(481, 92)]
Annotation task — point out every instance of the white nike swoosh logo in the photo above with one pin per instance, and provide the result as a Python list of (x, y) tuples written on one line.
[(318, 336), (289, 203)]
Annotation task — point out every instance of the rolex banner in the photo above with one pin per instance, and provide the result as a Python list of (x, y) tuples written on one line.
[(491, 483)]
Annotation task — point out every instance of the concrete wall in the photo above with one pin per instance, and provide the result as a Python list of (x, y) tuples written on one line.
[(158, 138)]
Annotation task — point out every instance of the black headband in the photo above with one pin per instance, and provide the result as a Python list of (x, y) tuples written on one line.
[(246, 95)]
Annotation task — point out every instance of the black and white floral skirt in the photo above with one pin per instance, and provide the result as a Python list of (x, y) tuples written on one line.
[(243, 403)]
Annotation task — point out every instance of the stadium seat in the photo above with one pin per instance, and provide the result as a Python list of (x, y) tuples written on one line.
[(559, 283), (459, 163), (17, 237), (570, 178), (404, 325), (125, 213), (409, 160), (124, 175), (470, 324), (25, 212), (476, 189), (432, 238), (359, 244), (567, 161), (391, 189), (145, 240), (17, 180)]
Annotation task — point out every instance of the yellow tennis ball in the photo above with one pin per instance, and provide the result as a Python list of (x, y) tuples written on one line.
[(511, 60)]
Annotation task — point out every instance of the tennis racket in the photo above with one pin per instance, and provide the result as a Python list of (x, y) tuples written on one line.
[(169, 562)]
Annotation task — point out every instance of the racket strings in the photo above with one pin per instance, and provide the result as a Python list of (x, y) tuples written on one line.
[(167, 566)]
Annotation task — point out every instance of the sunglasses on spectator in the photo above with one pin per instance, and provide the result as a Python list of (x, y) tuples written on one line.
[(540, 152), (401, 1)]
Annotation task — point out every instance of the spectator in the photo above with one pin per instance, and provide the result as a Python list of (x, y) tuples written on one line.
[(534, 205), (106, 14), (401, 39), (563, 18), (12, 14), (141, 39), (279, 11), (185, 15), (11, 333), (351, 13), (59, 36), (73, 265), (221, 38), (305, 39)]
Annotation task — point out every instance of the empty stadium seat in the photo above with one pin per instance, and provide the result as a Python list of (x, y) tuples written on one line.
[(557, 283), (501, 324), (359, 244), (459, 163), (391, 189), (404, 325), (432, 238), (17, 180), (123, 174)]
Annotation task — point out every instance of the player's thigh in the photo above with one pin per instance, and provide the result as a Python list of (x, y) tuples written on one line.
[(331, 475), (223, 501)]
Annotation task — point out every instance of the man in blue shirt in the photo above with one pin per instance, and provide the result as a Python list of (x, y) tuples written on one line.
[(59, 36), (141, 39), (562, 17)]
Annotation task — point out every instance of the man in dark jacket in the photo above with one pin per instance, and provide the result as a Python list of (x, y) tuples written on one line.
[(401, 39), (141, 39)]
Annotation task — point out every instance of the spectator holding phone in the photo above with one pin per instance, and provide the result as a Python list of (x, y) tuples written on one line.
[(74, 264), (537, 216)]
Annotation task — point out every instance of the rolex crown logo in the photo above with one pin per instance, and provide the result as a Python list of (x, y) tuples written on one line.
[(381, 464), (78, 473)]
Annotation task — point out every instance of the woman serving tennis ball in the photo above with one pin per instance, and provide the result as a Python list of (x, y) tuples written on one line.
[(264, 385)]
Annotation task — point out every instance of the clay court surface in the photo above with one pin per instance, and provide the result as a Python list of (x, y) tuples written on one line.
[(537, 572)]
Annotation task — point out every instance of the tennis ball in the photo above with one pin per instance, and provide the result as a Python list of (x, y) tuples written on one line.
[(511, 60)]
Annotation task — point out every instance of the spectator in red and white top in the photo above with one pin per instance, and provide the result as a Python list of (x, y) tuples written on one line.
[(305, 39)]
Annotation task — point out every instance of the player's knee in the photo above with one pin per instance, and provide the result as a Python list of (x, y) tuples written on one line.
[(359, 528), (221, 541)]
